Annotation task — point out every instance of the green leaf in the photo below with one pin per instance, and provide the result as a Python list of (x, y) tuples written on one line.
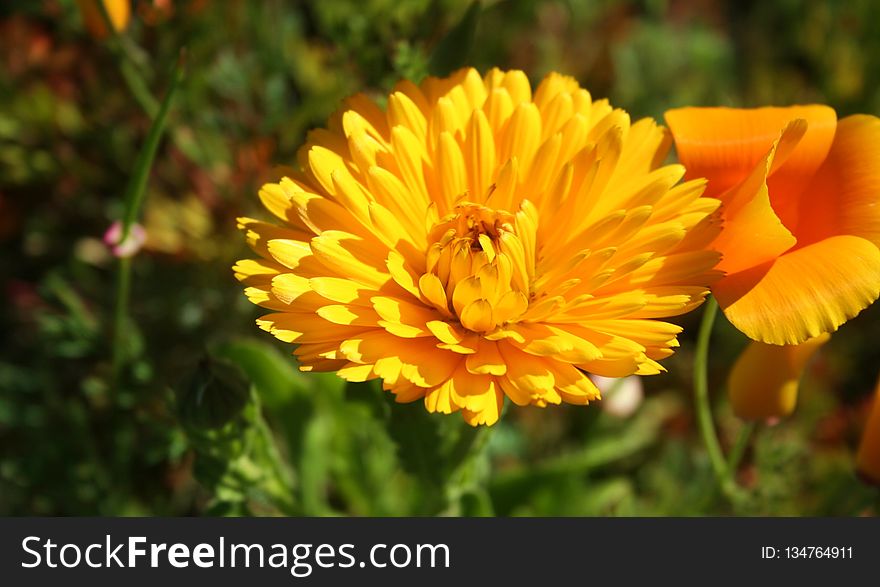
[(476, 503), (452, 51), (515, 486), (314, 465), (442, 452), (239, 464), (134, 192)]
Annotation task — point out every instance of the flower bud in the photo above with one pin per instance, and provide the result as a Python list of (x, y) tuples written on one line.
[(130, 245), (119, 12), (214, 394)]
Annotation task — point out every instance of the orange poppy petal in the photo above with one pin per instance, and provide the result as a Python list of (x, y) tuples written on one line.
[(868, 458), (752, 232), (803, 293), (763, 383), (724, 144), (844, 197)]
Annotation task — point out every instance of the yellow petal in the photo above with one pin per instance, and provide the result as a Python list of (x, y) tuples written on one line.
[(480, 155), (477, 316), (403, 318), (573, 385), (305, 328), (529, 375), (344, 254), (288, 252), (466, 291), (403, 112), (433, 291), (487, 360), (253, 271), (522, 136), (491, 404), (763, 383), (348, 315), (409, 153), (337, 289)]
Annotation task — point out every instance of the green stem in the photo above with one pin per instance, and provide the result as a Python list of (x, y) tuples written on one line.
[(282, 483), (701, 393), (134, 197), (138, 88), (128, 67), (469, 474), (739, 449), (134, 193), (120, 318)]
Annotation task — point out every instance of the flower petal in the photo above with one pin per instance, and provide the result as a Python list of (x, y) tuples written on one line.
[(763, 383), (724, 144), (844, 197), (803, 293), (752, 232)]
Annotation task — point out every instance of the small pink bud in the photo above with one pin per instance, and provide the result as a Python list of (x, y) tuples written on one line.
[(132, 243)]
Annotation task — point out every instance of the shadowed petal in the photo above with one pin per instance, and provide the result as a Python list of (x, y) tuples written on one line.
[(764, 381)]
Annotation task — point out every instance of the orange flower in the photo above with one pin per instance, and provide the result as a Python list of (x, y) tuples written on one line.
[(763, 383), (800, 195)]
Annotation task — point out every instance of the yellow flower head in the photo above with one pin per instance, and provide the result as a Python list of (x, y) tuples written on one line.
[(473, 240)]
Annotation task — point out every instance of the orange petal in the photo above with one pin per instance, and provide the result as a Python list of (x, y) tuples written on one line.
[(868, 458), (724, 144), (763, 383), (844, 197), (803, 293), (752, 233)]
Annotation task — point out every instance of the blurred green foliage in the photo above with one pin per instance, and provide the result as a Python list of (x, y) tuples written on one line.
[(178, 438)]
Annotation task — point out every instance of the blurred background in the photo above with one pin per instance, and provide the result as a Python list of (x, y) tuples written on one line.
[(211, 415)]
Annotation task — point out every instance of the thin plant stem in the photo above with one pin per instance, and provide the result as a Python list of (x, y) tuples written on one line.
[(133, 199), (128, 67), (134, 193), (138, 88), (120, 317), (739, 448), (701, 393)]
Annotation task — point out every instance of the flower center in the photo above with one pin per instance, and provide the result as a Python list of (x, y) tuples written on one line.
[(479, 260)]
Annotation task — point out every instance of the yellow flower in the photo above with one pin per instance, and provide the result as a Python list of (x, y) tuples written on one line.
[(473, 240)]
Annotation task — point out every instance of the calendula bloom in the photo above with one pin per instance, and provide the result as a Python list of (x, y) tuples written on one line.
[(800, 194), (473, 240), (868, 459)]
